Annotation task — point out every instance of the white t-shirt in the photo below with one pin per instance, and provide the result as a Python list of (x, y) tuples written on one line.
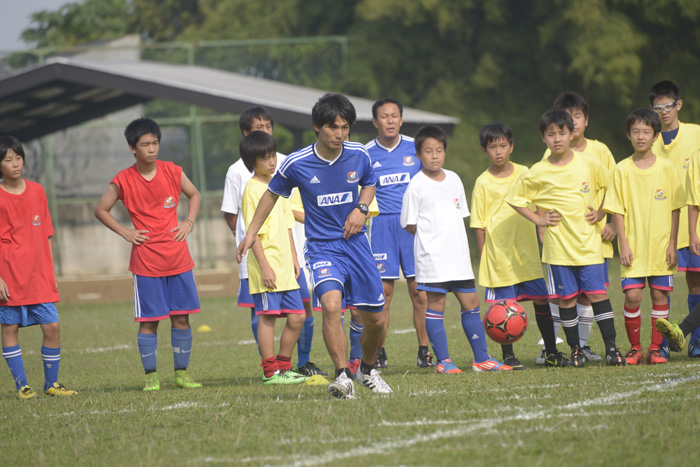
[(237, 177), (437, 209)]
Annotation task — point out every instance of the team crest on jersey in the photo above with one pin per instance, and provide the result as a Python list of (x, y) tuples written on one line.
[(584, 187), (321, 264), (394, 179), (380, 256), (36, 220), (314, 180), (686, 163), (408, 161), (352, 177), (332, 199), (376, 165), (324, 272), (380, 267), (457, 203), (169, 202), (660, 196)]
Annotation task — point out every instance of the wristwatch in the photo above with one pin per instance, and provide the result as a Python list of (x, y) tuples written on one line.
[(363, 208)]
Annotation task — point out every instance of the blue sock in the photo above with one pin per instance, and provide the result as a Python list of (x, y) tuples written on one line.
[(182, 347), (13, 357), (692, 301), (52, 359), (148, 344), (304, 342), (435, 325), (474, 330), (355, 335), (254, 326)]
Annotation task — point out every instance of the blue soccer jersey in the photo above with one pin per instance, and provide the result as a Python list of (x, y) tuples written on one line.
[(394, 167), (328, 189)]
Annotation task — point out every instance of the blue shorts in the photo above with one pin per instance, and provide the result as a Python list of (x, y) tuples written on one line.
[(350, 264), (278, 303), (535, 289), (29, 315), (464, 286), (568, 281), (303, 287), (157, 298), (245, 299), (392, 247), (655, 282), (688, 261)]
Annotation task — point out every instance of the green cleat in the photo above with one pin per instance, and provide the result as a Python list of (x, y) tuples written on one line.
[(25, 392), (283, 378), (672, 332), (152, 383), (185, 381), (57, 389), (294, 374)]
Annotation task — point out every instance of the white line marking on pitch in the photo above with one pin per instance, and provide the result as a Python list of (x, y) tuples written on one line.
[(403, 331), (108, 349)]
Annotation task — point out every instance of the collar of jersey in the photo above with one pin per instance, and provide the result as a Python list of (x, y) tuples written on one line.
[(376, 140), (326, 160)]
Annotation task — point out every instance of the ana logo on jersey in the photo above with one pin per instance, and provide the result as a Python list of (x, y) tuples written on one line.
[(408, 161), (380, 267), (660, 196), (324, 272), (333, 199), (584, 187), (36, 220), (314, 180), (380, 256), (686, 163), (394, 179), (352, 177), (321, 264), (169, 202)]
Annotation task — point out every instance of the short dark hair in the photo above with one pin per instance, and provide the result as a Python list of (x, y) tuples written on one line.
[(245, 121), (7, 143), (139, 127), (560, 118), (429, 131), (256, 145), (493, 132), (646, 116), (664, 88), (386, 100), (329, 107), (571, 101)]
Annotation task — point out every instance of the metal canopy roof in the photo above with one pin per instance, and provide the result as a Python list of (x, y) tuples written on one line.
[(64, 92)]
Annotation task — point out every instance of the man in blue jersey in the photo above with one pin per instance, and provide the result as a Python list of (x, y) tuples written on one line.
[(327, 174), (393, 157)]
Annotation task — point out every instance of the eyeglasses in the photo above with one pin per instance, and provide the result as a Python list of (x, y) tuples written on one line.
[(664, 108)]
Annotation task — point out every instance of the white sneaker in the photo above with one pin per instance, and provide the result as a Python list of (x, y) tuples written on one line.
[(342, 387), (373, 382), (540, 360)]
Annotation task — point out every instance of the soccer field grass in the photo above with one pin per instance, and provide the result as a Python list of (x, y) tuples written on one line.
[(646, 415)]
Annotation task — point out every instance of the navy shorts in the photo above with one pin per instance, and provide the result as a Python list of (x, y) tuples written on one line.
[(303, 287), (535, 289), (157, 298), (392, 247), (245, 299), (464, 286), (278, 303), (29, 315), (688, 261), (655, 282), (568, 281)]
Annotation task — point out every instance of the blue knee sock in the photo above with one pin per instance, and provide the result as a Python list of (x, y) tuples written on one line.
[(355, 335), (148, 344), (435, 326), (254, 326), (474, 330), (13, 357), (304, 342), (182, 346), (692, 301), (52, 359)]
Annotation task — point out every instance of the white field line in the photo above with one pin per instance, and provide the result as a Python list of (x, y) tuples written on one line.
[(185, 405), (403, 331), (108, 349)]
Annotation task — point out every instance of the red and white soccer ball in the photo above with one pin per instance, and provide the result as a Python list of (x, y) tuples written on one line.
[(505, 321)]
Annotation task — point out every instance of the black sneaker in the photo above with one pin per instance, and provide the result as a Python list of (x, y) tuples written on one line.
[(590, 355), (425, 360), (577, 360), (310, 369), (613, 357), (556, 360), (382, 361), (512, 361)]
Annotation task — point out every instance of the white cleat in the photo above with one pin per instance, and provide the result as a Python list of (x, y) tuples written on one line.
[(373, 382), (342, 387)]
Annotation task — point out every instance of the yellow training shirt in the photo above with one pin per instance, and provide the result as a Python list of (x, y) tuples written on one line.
[(600, 152), (569, 190), (646, 198), (511, 254), (687, 141), (274, 237)]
